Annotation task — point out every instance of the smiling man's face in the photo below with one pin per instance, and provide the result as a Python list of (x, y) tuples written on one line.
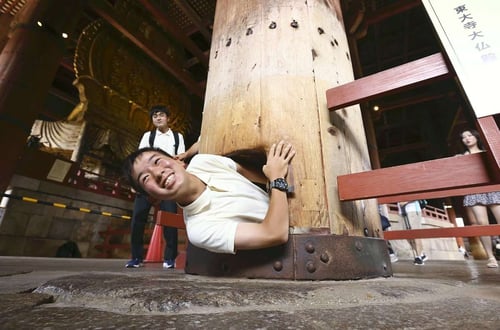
[(159, 175)]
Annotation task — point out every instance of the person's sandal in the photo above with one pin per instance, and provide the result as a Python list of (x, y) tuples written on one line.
[(492, 263)]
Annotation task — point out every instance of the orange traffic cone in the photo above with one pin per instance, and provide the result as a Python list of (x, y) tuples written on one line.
[(156, 246)]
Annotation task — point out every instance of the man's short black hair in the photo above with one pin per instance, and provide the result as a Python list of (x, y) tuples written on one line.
[(159, 108)]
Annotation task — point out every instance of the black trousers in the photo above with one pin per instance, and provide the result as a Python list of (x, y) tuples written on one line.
[(142, 206)]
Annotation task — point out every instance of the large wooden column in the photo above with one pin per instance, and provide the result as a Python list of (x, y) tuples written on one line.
[(271, 63), (28, 64)]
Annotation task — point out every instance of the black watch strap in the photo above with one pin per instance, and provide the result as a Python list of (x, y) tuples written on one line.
[(279, 184)]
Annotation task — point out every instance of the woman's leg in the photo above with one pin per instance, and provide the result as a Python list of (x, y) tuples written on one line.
[(495, 209), (481, 214)]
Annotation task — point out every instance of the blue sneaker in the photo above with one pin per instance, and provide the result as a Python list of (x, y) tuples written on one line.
[(170, 263), (134, 263)]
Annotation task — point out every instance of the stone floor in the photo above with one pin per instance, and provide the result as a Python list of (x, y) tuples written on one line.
[(55, 293)]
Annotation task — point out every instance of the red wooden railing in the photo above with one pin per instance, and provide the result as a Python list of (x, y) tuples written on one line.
[(429, 212), (73, 174), (85, 180), (438, 178)]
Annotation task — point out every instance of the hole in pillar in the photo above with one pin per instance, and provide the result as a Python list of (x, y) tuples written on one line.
[(347, 55), (314, 54), (228, 43), (321, 31)]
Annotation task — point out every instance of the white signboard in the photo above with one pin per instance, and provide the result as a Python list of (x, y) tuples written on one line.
[(59, 170), (470, 33)]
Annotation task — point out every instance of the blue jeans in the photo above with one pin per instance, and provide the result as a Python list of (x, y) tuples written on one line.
[(142, 206)]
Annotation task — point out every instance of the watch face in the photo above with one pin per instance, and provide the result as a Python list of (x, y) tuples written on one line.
[(279, 184)]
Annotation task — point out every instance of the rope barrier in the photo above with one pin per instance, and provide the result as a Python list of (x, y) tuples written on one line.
[(64, 206)]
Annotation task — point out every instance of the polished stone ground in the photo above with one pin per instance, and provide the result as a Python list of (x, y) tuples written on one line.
[(55, 293)]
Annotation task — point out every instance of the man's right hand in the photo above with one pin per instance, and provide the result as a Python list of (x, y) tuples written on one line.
[(278, 158)]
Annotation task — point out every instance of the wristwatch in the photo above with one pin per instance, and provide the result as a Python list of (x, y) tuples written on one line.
[(279, 184)]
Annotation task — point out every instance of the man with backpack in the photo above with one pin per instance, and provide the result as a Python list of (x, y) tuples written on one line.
[(173, 143)]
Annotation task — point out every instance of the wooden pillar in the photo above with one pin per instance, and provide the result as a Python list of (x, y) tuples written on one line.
[(271, 63), (28, 65), (452, 217)]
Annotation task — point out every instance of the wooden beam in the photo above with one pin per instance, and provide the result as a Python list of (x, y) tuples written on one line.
[(433, 175), (403, 77), (170, 219), (164, 21), (391, 10), (195, 18), (491, 140), (442, 193), (407, 101), (467, 231), (413, 146), (103, 9), (64, 96)]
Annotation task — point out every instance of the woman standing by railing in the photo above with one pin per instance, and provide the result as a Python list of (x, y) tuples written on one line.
[(477, 204)]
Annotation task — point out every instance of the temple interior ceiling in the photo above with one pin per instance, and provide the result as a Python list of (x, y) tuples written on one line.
[(149, 51)]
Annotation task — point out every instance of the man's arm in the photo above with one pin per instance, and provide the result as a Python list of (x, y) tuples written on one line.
[(193, 150), (273, 230)]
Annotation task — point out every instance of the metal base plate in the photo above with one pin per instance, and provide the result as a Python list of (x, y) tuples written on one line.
[(304, 257)]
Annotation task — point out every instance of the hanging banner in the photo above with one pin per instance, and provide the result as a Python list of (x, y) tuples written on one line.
[(469, 31)]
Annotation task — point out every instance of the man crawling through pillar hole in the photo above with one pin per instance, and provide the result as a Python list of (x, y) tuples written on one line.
[(224, 210)]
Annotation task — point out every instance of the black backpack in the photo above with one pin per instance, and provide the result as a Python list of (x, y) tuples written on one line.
[(152, 136)]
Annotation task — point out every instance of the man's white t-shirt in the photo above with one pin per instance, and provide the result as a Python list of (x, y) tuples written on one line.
[(164, 141), (229, 199)]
